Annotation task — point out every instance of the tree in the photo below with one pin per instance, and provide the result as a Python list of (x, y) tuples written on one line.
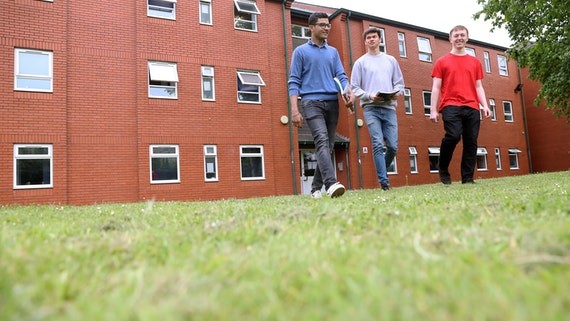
[(539, 30)]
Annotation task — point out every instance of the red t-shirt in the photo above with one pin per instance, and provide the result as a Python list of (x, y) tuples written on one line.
[(458, 77)]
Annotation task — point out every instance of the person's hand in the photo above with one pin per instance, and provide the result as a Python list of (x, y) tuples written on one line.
[(297, 119), (349, 101), (433, 116), (486, 112)]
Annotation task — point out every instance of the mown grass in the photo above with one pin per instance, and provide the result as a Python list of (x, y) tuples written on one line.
[(497, 250)]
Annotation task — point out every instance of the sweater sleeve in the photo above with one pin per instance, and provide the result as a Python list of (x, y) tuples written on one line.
[(295, 73)]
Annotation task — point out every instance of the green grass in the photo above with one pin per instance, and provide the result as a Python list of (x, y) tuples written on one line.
[(497, 250)]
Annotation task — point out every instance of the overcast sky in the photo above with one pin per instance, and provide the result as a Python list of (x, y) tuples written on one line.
[(440, 15)]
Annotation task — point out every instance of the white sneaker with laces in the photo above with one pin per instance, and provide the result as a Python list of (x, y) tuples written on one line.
[(317, 194), (336, 190)]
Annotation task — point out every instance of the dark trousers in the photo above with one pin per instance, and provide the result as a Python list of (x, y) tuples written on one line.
[(460, 122), (322, 118)]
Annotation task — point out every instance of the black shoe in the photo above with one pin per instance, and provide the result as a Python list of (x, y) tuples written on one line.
[(445, 178), (385, 187), (468, 181)]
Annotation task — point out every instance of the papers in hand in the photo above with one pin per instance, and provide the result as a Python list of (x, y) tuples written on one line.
[(338, 86), (387, 95)]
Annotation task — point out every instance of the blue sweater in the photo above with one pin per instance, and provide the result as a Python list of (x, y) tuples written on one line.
[(313, 69)]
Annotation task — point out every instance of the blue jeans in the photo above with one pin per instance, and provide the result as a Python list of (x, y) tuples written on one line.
[(383, 128), (322, 118), (460, 122)]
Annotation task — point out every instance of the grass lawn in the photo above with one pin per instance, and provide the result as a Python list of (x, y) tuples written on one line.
[(497, 250)]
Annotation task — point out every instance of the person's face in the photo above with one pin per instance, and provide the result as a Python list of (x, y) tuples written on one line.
[(372, 40), (458, 38), (321, 29)]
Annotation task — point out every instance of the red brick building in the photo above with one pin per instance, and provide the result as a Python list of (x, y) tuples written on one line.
[(549, 136), (158, 99)]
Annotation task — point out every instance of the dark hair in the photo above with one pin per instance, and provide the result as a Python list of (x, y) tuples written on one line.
[(372, 30), (316, 16), (458, 27)]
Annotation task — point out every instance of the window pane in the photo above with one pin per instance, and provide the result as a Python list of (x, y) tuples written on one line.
[(205, 12), (413, 165), (423, 45), (249, 78), (163, 72), (425, 57), (210, 167), (251, 150), (251, 167), (297, 31), (434, 162), (33, 151), (247, 6), (33, 172), (164, 169), (162, 91), (33, 63), (44, 84), (164, 150)]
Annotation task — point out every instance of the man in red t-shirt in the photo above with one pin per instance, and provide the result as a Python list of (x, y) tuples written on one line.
[(457, 80)]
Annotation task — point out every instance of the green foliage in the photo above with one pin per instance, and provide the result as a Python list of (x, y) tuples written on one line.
[(540, 31), (498, 250)]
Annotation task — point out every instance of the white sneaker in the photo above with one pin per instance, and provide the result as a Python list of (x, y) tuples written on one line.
[(317, 194), (336, 190)]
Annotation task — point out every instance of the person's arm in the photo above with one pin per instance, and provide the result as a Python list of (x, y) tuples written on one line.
[(294, 84), (356, 83), (296, 116), (435, 92), (482, 98), (339, 72), (398, 79)]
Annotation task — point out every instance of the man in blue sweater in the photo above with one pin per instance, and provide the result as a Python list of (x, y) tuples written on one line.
[(314, 66)]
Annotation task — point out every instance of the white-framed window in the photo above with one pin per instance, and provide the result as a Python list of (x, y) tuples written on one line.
[(33, 166), (300, 35), (210, 163), (165, 9), (514, 158), (208, 84), (487, 61), (493, 108), (424, 49), (382, 45), (408, 100), (301, 32), (413, 160), (433, 153), (481, 159), (33, 70), (402, 44), (162, 80), (508, 111), (498, 158), (245, 15), (503, 69), (427, 102), (249, 87), (206, 12), (470, 51), (164, 164), (251, 160)]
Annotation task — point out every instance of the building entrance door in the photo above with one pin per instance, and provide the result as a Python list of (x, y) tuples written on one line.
[(308, 166)]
